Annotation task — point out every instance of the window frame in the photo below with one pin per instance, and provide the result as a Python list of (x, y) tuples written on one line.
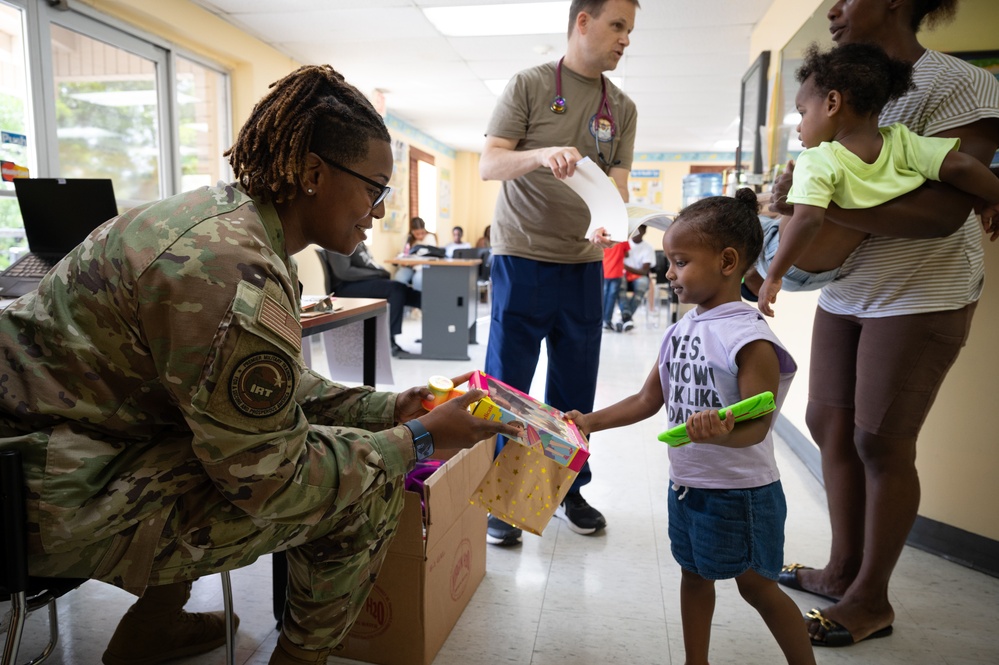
[(96, 25)]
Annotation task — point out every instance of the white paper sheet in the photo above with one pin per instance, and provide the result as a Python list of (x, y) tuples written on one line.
[(602, 198)]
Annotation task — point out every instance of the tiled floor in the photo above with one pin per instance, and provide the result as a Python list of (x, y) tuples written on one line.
[(612, 598)]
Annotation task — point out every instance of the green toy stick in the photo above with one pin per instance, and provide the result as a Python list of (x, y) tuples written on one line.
[(747, 409)]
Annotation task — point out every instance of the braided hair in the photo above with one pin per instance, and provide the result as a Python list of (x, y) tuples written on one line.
[(312, 109), (723, 221)]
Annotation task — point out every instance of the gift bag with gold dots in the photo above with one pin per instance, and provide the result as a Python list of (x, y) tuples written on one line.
[(523, 487)]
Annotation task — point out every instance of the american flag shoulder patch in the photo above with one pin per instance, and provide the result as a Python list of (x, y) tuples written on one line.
[(280, 321)]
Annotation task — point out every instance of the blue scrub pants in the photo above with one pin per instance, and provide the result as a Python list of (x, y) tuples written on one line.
[(611, 287), (560, 303)]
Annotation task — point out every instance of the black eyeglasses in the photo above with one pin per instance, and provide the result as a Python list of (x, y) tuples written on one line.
[(383, 190)]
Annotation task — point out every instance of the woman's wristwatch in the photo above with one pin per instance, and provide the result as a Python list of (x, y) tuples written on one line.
[(422, 440)]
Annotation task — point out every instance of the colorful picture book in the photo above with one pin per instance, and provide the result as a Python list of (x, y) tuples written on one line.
[(545, 428)]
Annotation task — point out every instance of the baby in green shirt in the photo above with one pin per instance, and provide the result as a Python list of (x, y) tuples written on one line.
[(850, 161)]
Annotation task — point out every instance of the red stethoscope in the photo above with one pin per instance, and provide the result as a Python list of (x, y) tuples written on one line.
[(602, 124)]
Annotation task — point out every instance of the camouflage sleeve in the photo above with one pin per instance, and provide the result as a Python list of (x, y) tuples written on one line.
[(324, 402), (229, 350)]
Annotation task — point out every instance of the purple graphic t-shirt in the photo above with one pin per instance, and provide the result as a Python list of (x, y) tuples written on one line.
[(698, 371)]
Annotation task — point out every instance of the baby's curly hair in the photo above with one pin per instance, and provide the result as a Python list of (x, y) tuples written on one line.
[(723, 221), (312, 109), (866, 76)]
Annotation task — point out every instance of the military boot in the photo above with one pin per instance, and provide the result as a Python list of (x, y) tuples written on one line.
[(286, 653), (156, 629)]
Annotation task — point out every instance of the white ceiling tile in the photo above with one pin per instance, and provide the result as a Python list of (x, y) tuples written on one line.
[(298, 6), (683, 67), (545, 47)]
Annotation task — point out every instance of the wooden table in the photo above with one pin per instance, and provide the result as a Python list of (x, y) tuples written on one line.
[(449, 305), (354, 310)]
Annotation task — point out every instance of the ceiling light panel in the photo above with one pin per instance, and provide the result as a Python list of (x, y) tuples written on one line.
[(509, 19)]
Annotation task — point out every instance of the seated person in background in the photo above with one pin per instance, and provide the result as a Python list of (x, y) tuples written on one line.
[(358, 276), (484, 242), (457, 233), (637, 266), (418, 235), (614, 257), (852, 162)]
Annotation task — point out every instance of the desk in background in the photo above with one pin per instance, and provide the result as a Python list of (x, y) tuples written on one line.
[(353, 358), (450, 305)]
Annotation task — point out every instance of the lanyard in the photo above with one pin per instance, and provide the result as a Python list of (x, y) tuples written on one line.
[(603, 109), (601, 125)]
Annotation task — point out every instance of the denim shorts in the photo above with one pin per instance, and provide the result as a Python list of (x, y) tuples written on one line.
[(720, 534), (795, 279)]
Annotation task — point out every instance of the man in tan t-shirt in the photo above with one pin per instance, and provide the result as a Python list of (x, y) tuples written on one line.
[(546, 275)]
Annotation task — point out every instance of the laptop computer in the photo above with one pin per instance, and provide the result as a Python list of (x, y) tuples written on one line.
[(428, 251), (58, 213)]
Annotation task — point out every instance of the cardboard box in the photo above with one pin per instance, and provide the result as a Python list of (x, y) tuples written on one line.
[(425, 583)]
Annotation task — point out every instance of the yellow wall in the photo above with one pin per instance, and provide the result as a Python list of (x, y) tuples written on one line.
[(387, 239), (474, 200), (957, 453)]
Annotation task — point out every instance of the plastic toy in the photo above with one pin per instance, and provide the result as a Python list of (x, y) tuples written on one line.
[(747, 409), (443, 390)]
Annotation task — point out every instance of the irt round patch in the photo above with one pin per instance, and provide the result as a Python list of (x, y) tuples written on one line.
[(262, 384)]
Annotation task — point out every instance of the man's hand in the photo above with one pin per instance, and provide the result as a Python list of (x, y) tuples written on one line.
[(602, 239), (779, 191), (560, 159)]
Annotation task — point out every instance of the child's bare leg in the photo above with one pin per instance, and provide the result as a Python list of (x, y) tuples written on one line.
[(697, 606), (830, 247), (781, 615)]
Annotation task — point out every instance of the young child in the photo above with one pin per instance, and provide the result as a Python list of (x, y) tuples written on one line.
[(726, 505), (852, 162)]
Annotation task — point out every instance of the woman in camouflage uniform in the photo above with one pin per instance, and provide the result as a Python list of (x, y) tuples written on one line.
[(155, 386)]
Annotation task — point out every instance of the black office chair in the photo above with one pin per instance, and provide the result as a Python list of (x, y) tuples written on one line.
[(27, 594), (485, 255), (660, 292)]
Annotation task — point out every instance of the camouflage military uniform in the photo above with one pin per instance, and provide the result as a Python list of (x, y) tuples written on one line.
[(154, 384)]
